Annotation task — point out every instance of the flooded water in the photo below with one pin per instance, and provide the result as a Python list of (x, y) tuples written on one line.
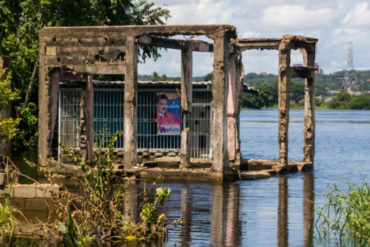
[(275, 211)]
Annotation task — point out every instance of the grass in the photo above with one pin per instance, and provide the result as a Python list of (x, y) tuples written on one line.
[(345, 218)]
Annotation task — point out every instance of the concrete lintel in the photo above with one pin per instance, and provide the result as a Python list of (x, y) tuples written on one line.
[(195, 45), (302, 72), (257, 43), (134, 30)]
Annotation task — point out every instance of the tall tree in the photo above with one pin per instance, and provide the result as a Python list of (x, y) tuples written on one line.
[(22, 20)]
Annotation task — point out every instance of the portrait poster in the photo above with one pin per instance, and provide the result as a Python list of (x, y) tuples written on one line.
[(168, 114)]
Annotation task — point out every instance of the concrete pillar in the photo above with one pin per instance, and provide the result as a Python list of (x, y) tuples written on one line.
[(5, 113), (130, 117), (285, 75), (186, 79), (186, 101), (53, 107), (131, 204), (185, 148), (309, 106), (308, 208), (239, 92), (232, 101), (86, 121), (48, 109), (283, 212), (218, 130)]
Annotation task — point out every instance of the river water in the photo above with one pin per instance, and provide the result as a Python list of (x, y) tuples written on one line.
[(275, 211)]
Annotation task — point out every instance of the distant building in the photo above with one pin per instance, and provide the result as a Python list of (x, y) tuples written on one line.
[(263, 73), (318, 69)]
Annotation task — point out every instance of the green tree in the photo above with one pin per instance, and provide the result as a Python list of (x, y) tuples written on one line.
[(8, 125), (22, 20)]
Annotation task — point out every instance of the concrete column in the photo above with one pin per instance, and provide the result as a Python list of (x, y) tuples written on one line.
[(131, 204), (48, 109), (5, 113), (86, 121), (130, 117), (185, 148), (186, 79), (239, 92), (309, 107), (53, 107), (285, 75), (186, 101), (283, 212), (232, 101), (308, 208), (218, 130)]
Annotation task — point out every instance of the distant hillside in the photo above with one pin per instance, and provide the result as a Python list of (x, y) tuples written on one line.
[(323, 82)]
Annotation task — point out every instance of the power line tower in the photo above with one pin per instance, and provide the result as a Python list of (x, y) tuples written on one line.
[(350, 77)]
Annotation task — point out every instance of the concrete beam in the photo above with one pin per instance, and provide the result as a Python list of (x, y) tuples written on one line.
[(130, 112), (48, 33), (257, 44), (195, 45)]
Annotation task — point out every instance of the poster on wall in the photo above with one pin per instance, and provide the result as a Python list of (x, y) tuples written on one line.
[(168, 114)]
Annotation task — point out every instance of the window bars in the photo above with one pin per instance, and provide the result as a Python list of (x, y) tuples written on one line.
[(109, 118)]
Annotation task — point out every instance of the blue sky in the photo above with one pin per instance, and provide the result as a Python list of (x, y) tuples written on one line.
[(333, 22)]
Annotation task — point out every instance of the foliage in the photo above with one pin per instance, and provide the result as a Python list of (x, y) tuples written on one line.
[(344, 100), (26, 138), (7, 219), (345, 217), (21, 22), (8, 125), (97, 212)]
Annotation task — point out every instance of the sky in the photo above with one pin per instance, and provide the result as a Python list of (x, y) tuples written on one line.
[(333, 22)]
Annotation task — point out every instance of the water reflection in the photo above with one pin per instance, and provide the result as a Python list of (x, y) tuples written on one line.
[(282, 235), (225, 225), (217, 215), (308, 208)]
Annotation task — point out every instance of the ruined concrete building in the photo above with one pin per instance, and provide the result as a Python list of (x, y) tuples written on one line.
[(78, 110)]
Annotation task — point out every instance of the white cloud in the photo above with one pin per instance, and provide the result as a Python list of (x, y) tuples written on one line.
[(359, 16), (333, 22), (297, 17)]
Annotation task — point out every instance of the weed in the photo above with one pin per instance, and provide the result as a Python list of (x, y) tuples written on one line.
[(345, 218)]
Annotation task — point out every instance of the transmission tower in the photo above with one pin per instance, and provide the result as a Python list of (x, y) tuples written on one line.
[(350, 77)]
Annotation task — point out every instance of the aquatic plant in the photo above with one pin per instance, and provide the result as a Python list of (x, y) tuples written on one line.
[(345, 218)]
